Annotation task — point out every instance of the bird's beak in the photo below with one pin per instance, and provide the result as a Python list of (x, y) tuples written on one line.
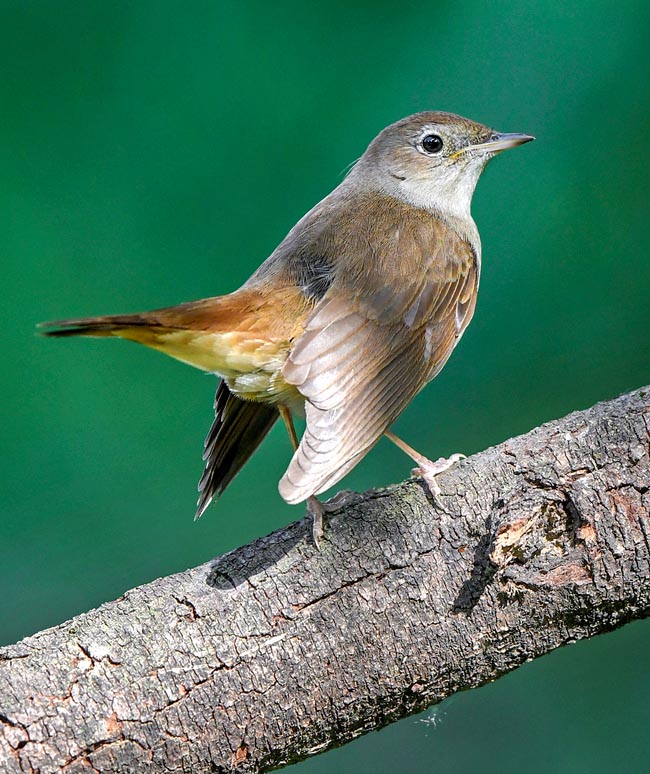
[(499, 141)]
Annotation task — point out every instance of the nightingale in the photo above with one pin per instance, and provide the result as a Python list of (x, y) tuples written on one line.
[(358, 307)]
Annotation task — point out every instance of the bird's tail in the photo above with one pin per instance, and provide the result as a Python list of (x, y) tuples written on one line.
[(190, 332), (121, 325)]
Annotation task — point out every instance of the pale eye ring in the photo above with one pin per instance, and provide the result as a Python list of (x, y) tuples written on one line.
[(431, 143)]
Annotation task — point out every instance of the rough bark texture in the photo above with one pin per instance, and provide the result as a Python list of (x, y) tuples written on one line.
[(275, 651)]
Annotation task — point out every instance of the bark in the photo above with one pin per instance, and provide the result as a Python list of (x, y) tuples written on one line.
[(276, 651)]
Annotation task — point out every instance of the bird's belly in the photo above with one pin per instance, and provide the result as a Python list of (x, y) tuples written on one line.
[(266, 387), (252, 368)]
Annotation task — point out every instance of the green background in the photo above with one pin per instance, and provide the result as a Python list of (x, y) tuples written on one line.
[(154, 152)]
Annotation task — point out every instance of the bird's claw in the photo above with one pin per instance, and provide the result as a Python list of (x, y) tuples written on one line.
[(428, 470), (316, 510), (340, 500)]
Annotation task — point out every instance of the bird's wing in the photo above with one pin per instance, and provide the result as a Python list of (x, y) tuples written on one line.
[(238, 429), (365, 354)]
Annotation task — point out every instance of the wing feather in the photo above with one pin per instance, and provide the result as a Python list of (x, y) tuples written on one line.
[(335, 440), (369, 346)]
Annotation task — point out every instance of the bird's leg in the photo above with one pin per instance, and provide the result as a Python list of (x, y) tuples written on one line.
[(288, 423), (426, 468), (314, 506)]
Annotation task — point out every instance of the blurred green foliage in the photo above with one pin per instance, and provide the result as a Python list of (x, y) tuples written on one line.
[(156, 152)]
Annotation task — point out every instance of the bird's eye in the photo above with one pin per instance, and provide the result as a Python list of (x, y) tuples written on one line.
[(431, 143)]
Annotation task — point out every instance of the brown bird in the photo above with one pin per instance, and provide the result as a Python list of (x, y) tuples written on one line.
[(352, 314)]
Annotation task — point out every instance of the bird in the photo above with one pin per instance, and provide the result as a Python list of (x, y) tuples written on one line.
[(354, 312)]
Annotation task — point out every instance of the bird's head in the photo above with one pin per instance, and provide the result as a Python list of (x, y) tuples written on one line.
[(431, 160)]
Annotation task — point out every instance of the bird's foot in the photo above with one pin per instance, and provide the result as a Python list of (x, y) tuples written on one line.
[(316, 510), (428, 470)]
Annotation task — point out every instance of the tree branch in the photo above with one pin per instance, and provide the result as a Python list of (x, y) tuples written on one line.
[(276, 651)]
